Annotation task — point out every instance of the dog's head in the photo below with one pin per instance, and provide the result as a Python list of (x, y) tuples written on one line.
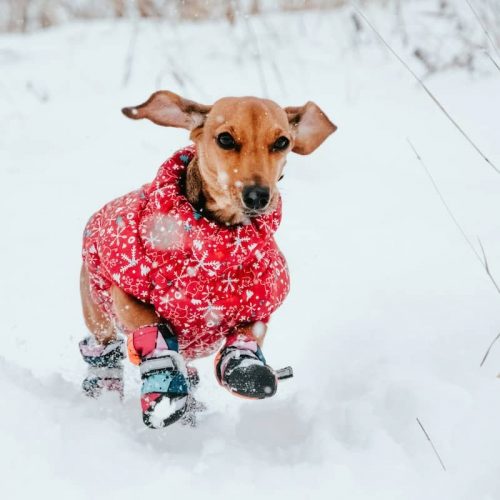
[(242, 144)]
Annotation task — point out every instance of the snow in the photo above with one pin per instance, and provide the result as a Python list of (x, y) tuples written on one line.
[(259, 329), (165, 409), (163, 232), (222, 179), (389, 314)]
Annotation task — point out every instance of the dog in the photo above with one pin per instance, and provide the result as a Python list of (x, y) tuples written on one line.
[(188, 263)]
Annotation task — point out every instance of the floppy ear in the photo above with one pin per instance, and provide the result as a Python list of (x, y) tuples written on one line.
[(170, 110), (309, 126)]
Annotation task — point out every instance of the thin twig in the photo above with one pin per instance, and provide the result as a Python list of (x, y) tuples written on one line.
[(492, 60), (258, 55), (445, 204), (426, 89), (432, 444), (487, 267), (273, 34), (129, 61), (482, 258), (488, 350), (485, 30)]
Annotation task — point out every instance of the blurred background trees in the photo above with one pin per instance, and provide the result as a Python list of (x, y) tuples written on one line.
[(441, 34), (24, 15)]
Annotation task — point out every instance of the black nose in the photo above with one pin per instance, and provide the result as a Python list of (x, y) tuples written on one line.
[(255, 197)]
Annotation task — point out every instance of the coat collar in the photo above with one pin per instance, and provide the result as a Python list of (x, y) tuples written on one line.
[(171, 223)]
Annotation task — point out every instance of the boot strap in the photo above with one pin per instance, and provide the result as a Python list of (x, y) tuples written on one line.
[(154, 364), (104, 372)]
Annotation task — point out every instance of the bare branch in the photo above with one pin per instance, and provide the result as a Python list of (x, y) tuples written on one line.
[(488, 350), (425, 88), (129, 61), (445, 204), (492, 60), (487, 267), (258, 55), (485, 30), (432, 444), (482, 258)]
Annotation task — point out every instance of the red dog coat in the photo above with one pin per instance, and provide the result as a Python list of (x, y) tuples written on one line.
[(204, 278)]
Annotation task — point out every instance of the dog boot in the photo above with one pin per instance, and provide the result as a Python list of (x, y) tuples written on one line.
[(165, 379), (105, 369), (241, 368)]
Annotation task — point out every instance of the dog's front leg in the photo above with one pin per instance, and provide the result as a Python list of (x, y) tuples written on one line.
[(240, 366), (131, 312), (256, 331), (153, 346)]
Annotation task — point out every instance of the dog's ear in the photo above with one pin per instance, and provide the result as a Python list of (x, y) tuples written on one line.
[(309, 126), (170, 110)]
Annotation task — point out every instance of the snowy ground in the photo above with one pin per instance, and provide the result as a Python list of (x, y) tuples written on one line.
[(389, 313)]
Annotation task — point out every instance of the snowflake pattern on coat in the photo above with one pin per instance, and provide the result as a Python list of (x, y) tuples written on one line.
[(204, 278)]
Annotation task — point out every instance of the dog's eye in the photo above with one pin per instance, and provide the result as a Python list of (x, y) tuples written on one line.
[(280, 144), (281, 177), (226, 141)]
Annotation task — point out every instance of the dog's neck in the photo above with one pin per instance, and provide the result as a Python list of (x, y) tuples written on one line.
[(193, 186), (197, 193)]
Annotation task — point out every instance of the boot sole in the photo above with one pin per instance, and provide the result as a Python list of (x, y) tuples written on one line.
[(252, 382)]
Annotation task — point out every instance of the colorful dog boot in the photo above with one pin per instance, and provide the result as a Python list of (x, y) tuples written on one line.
[(241, 368), (165, 379), (105, 370)]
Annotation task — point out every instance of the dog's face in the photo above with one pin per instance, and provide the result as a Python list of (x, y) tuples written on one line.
[(242, 144), (242, 150)]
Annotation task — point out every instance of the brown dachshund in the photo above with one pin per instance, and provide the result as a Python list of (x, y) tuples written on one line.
[(241, 145)]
